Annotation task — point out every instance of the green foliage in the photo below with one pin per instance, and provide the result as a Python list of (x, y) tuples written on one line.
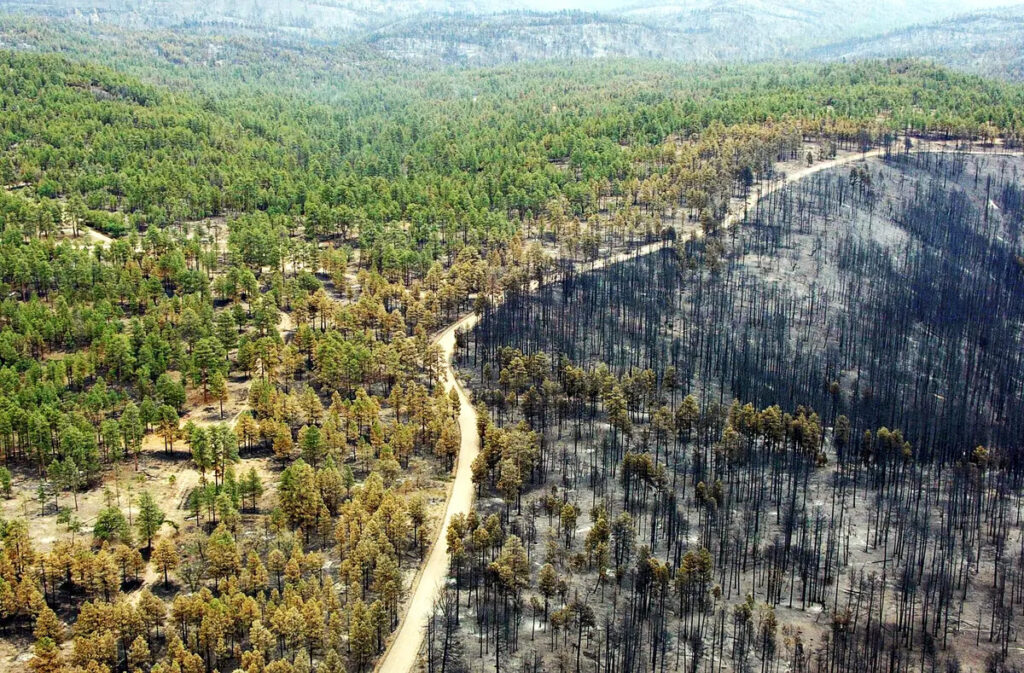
[(149, 518), (411, 168), (299, 495), (111, 526), (311, 444), (251, 487)]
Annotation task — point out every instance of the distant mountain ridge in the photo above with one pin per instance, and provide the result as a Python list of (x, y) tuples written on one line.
[(988, 42), (316, 16), (492, 32), (698, 30)]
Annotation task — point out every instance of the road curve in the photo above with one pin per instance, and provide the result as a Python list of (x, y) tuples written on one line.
[(404, 646)]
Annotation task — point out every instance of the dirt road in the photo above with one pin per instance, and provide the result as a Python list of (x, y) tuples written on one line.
[(404, 647)]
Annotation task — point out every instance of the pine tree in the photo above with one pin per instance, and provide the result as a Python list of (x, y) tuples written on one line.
[(168, 421), (219, 390), (149, 520), (361, 636), (547, 583), (152, 611), (223, 554), (311, 444), (207, 358), (226, 330), (300, 497), (111, 526), (132, 431), (138, 653), (48, 626), (276, 562), (166, 558), (47, 657), (252, 486)]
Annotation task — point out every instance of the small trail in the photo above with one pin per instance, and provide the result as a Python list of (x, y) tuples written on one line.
[(92, 235), (150, 578), (285, 325), (402, 652), (98, 236)]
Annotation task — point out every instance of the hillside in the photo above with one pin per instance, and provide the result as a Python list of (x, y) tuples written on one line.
[(316, 17), (655, 513), (533, 36), (486, 32), (814, 21), (988, 43), (744, 30)]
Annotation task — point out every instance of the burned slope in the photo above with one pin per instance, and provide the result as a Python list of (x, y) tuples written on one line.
[(631, 517), (890, 292)]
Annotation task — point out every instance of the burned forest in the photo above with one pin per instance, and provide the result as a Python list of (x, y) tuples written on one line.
[(792, 444)]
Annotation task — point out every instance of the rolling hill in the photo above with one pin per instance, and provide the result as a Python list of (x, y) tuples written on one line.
[(316, 17), (488, 32), (735, 30), (987, 43)]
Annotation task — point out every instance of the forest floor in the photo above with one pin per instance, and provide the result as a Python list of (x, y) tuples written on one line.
[(169, 477)]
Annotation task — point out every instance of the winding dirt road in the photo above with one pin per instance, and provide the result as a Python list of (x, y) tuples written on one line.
[(404, 646)]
